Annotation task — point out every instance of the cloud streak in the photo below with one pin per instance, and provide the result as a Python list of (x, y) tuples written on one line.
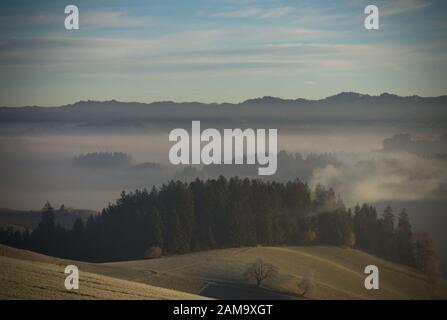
[(396, 7), (253, 12)]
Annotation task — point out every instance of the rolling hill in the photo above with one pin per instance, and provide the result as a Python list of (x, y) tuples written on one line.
[(28, 275), (338, 274)]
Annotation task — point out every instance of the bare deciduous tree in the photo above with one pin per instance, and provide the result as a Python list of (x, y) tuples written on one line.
[(307, 284), (260, 271)]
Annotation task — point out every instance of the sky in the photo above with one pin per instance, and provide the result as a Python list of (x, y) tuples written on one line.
[(218, 50)]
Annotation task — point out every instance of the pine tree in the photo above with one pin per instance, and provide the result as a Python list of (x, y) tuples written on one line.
[(44, 235), (405, 249), (426, 258), (387, 234), (180, 217), (155, 228), (366, 228)]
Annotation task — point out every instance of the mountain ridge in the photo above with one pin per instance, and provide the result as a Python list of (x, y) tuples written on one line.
[(343, 107), (344, 95)]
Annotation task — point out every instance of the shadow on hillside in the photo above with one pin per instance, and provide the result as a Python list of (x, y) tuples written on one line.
[(240, 291)]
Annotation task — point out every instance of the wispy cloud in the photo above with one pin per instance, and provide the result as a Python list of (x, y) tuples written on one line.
[(109, 19), (240, 13), (403, 6), (276, 12), (196, 51), (96, 19), (11, 21), (254, 12)]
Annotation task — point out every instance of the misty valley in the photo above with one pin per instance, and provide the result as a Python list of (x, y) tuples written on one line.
[(338, 183), (223, 150)]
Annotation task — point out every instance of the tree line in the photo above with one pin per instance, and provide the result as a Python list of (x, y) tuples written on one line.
[(182, 217)]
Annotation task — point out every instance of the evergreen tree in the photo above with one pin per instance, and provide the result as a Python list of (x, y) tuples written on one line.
[(366, 228), (387, 237), (218, 213), (44, 235), (426, 258), (155, 229), (404, 238)]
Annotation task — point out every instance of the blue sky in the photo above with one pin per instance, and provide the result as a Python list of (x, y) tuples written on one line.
[(218, 50)]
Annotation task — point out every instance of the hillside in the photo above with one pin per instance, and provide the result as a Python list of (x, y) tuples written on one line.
[(338, 274), (27, 275)]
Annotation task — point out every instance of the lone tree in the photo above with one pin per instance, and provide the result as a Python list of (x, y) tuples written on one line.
[(260, 271), (307, 284)]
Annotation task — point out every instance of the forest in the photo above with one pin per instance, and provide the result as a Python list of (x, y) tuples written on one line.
[(183, 217)]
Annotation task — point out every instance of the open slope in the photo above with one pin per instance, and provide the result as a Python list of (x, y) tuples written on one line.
[(27, 275), (338, 273)]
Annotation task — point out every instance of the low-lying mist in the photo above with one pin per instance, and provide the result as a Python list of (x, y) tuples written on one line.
[(36, 168), (354, 161)]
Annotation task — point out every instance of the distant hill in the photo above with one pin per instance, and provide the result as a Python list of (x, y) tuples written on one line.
[(30, 219), (346, 106)]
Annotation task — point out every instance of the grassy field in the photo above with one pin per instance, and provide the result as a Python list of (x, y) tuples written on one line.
[(338, 274), (26, 275)]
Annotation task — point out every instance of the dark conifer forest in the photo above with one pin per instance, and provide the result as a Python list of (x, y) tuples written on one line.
[(183, 217)]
